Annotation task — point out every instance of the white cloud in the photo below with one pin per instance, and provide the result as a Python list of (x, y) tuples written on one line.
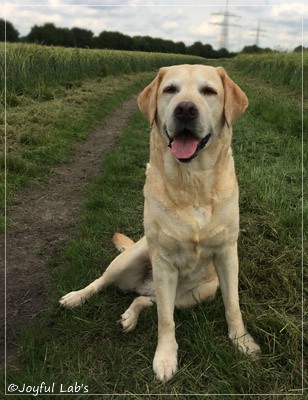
[(169, 26), (281, 21), (289, 11), (204, 29)]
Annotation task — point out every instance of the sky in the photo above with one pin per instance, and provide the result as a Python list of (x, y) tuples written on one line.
[(282, 24)]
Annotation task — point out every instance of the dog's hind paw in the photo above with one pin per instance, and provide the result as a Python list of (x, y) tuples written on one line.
[(72, 299), (128, 321)]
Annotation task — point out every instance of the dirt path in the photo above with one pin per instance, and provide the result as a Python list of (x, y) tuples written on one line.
[(44, 218)]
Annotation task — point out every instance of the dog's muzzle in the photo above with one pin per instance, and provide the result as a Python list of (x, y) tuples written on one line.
[(185, 146)]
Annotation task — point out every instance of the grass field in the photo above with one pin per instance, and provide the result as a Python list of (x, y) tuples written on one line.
[(40, 134), (54, 94), (282, 69), (37, 71), (85, 346)]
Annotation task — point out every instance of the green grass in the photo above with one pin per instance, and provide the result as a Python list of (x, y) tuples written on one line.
[(40, 134), (284, 69), (85, 346), (38, 70), (54, 96)]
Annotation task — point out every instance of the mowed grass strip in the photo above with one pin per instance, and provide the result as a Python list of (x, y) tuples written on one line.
[(40, 134), (84, 345), (54, 94)]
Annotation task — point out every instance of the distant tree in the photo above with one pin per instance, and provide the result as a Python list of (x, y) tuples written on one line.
[(154, 44), (267, 50), (12, 35), (202, 50), (251, 49), (49, 34), (254, 49), (41, 34), (140, 43), (165, 46), (65, 37), (82, 37), (162, 45), (208, 51), (222, 53), (114, 40), (299, 49), (195, 49), (149, 44), (180, 48)]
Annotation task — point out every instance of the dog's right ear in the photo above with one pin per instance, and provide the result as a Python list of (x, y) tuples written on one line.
[(147, 99)]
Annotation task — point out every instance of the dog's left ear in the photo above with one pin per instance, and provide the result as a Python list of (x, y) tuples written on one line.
[(147, 99), (236, 100)]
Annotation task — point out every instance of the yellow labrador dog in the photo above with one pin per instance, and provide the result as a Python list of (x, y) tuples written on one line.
[(191, 213)]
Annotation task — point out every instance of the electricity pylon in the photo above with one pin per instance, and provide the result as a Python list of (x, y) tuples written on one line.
[(257, 33), (225, 24)]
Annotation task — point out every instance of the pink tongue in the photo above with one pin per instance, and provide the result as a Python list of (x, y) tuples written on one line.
[(184, 146)]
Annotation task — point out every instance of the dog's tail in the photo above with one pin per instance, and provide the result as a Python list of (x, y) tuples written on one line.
[(137, 274), (122, 242)]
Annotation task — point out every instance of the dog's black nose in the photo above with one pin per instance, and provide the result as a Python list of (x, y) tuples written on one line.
[(186, 111)]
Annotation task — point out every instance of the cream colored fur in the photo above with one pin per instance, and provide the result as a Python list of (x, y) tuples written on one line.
[(191, 214)]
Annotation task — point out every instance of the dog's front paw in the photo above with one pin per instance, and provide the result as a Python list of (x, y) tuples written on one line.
[(165, 363), (128, 321), (72, 299), (247, 345)]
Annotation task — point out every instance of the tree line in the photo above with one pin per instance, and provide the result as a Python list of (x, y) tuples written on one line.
[(50, 35)]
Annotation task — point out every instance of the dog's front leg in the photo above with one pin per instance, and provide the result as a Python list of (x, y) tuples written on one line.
[(165, 280), (226, 264)]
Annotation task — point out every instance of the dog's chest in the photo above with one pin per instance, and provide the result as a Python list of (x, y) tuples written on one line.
[(187, 228), (190, 238), (201, 225)]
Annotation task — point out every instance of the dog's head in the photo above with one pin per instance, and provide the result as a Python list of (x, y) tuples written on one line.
[(190, 104)]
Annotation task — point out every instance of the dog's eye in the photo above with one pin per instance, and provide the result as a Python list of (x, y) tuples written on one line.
[(208, 91), (171, 89)]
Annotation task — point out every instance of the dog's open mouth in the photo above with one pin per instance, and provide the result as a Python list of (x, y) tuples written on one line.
[(185, 145)]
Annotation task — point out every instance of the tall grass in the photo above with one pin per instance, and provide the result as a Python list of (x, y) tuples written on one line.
[(40, 134), (278, 68), (35, 70), (84, 345)]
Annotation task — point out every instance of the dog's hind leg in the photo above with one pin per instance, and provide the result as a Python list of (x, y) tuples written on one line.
[(122, 242), (204, 291), (124, 271), (129, 319)]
